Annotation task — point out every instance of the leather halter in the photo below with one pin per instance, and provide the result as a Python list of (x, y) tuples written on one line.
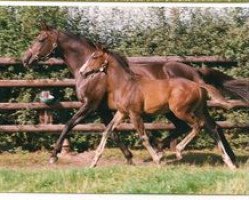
[(100, 69)]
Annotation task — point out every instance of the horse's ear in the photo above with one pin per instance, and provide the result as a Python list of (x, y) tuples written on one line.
[(45, 26), (101, 47), (104, 49)]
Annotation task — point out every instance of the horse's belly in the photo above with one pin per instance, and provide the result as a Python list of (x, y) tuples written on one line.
[(155, 96), (157, 109)]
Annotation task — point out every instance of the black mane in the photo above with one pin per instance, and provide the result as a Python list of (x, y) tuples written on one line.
[(123, 61), (79, 38)]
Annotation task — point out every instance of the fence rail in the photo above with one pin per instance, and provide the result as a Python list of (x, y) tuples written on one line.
[(38, 83), (76, 104), (5, 61), (98, 127)]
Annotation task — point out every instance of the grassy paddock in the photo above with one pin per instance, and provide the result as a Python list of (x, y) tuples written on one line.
[(197, 174)]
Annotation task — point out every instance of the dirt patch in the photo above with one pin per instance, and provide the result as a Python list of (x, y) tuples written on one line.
[(111, 157), (39, 160), (85, 159)]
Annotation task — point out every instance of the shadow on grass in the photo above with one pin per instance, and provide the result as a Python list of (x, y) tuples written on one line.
[(202, 158)]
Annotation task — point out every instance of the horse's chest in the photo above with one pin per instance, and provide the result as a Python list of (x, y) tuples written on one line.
[(156, 108), (91, 88)]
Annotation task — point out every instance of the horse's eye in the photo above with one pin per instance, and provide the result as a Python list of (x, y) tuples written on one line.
[(41, 39)]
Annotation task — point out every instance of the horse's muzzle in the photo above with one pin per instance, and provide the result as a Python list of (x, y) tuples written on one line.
[(84, 74), (28, 59)]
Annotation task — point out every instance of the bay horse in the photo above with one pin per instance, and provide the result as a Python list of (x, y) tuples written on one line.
[(75, 51), (133, 95)]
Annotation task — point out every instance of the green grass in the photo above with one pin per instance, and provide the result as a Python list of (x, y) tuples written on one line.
[(118, 179), (196, 175)]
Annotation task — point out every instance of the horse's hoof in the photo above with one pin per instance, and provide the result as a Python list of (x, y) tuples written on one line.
[(230, 164), (158, 163), (130, 162), (148, 159), (157, 160), (160, 155), (53, 159), (93, 165), (178, 155)]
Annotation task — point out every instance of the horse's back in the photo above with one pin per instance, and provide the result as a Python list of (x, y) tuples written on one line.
[(149, 70), (158, 94), (177, 69)]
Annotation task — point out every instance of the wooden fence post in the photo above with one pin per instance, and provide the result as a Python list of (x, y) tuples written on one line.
[(45, 117)]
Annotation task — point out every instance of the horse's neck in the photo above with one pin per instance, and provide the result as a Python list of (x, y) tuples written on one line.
[(74, 52), (118, 78)]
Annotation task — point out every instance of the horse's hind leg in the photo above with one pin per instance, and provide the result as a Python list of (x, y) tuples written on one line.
[(127, 153), (217, 133), (137, 121), (106, 117)]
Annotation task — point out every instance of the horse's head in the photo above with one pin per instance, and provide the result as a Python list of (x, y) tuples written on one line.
[(42, 47), (97, 62)]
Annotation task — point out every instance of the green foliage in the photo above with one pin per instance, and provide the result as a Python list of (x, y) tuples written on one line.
[(197, 32)]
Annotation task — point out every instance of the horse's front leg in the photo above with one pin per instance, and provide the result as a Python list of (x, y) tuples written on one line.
[(106, 116), (137, 121), (76, 119), (111, 126)]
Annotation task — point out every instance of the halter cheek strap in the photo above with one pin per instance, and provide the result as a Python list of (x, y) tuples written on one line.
[(54, 45), (104, 66), (101, 69)]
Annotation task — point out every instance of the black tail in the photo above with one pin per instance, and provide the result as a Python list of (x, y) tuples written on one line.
[(218, 135), (239, 88), (225, 83)]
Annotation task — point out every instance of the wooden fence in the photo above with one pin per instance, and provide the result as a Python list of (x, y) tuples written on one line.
[(46, 126)]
